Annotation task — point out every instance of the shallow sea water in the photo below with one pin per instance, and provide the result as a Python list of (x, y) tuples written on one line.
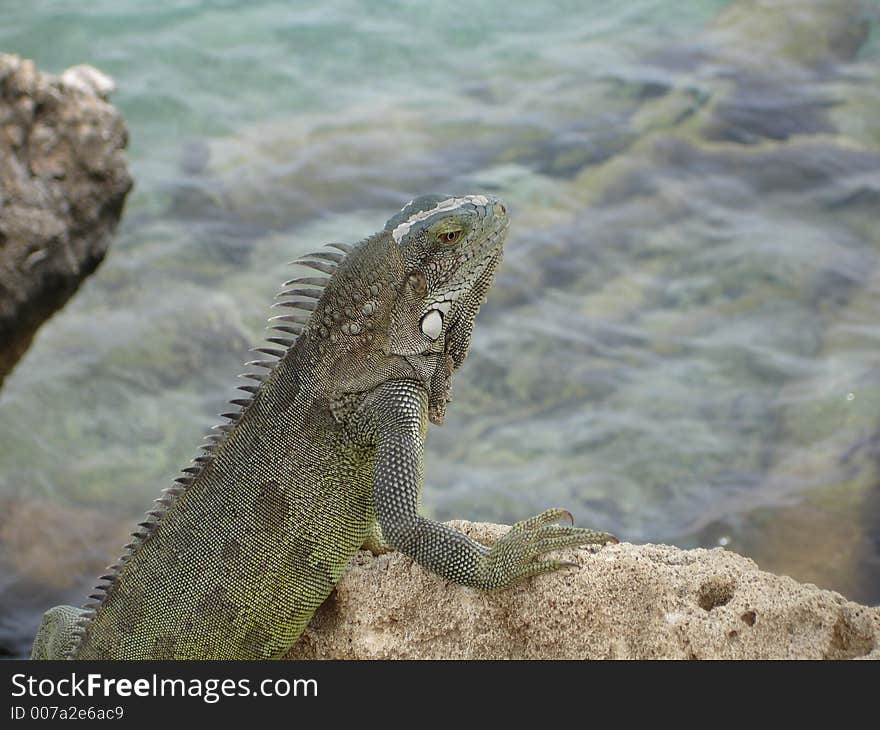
[(682, 344)]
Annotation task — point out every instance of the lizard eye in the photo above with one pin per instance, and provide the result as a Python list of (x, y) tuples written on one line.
[(450, 236)]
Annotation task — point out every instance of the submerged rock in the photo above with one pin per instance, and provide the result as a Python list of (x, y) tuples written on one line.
[(63, 181), (51, 552), (625, 602), (790, 32)]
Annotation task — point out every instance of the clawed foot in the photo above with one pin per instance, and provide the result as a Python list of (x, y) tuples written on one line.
[(513, 557)]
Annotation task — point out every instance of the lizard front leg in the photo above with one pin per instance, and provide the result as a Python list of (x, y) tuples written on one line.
[(398, 414)]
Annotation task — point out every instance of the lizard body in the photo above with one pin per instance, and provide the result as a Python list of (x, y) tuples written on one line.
[(237, 556)]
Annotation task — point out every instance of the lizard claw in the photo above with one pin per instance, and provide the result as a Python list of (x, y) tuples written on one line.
[(517, 555)]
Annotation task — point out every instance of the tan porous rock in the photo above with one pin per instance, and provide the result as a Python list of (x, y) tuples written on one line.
[(625, 602)]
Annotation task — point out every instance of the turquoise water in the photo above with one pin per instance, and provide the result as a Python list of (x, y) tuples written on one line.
[(683, 341)]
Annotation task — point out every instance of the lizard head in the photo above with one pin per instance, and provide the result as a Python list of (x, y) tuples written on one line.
[(450, 248)]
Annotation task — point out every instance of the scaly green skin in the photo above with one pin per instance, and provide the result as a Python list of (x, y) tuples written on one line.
[(236, 558)]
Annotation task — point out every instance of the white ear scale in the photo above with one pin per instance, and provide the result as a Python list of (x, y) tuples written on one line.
[(431, 324)]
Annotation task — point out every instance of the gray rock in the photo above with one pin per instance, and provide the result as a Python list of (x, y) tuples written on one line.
[(89, 80), (63, 182)]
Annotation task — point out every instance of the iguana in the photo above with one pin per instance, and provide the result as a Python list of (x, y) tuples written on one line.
[(324, 456)]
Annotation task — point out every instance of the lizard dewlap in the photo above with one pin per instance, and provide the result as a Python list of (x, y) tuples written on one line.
[(324, 455)]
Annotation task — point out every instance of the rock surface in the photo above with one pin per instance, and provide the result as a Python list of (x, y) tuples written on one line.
[(626, 602), (63, 182)]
